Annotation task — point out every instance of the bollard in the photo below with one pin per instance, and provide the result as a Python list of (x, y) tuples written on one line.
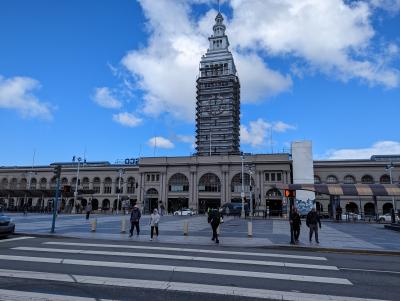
[(123, 225), (94, 224), (186, 228), (249, 229)]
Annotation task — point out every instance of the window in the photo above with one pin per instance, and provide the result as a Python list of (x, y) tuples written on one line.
[(178, 183), (148, 178), (273, 177), (107, 185), (236, 184), (43, 183), (96, 185), (85, 183), (119, 183), (367, 179), (153, 177), (385, 179), (331, 179), (131, 185), (317, 180), (349, 179), (209, 183)]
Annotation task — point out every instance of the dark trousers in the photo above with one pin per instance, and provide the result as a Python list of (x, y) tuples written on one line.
[(87, 214), (296, 232), (314, 229), (152, 231), (214, 230), (133, 225)]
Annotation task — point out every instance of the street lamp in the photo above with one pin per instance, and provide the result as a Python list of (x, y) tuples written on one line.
[(120, 171), (250, 169), (389, 168), (78, 159), (243, 214)]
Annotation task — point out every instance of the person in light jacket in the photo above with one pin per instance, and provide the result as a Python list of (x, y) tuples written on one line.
[(154, 220)]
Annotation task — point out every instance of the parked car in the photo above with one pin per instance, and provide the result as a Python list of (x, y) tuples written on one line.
[(234, 209), (184, 211), (387, 217), (7, 226), (350, 216)]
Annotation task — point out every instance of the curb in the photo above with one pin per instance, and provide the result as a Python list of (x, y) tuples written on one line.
[(271, 247)]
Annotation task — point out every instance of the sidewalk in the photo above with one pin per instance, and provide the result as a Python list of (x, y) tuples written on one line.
[(266, 233)]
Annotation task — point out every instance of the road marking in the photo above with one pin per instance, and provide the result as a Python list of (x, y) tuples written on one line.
[(16, 238), (10, 295), (187, 250), (183, 269), (365, 270), (182, 257), (178, 286)]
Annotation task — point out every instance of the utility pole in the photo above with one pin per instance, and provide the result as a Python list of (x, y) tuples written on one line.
[(243, 214), (120, 171), (77, 182), (57, 172), (389, 168)]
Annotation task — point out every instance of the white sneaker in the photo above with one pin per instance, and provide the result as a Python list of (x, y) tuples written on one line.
[(151, 239)]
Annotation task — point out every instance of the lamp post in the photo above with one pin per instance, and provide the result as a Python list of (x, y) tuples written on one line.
[(243, 214), (389, 168), (250, 223), (120, 171), (78, 159)]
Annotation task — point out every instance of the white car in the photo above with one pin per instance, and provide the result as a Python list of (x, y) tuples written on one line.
[(184, 211), (350, 216), (386, 218)]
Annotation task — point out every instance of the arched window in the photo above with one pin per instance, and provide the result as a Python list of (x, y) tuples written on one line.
[(119, 183), (331, 179), (236, 184), (43, 183), (349, 179), (13, 183), (64, 181), (385, 179), (387, 208), (85, 183), (367, 179), (152, 191), (33, 183), (23, 184), (274, 193), (53, 183), (317, 180), (96, 185), (209, 183), (178, 183), (107, 185), (4, 183), (131, 185)]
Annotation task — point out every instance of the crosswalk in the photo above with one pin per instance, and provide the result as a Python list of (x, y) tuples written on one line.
[(159, 269)]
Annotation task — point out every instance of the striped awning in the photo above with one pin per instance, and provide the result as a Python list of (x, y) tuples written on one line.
[(347, 189)]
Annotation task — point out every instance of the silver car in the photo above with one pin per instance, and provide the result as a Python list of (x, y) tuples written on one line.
[(7, 226)]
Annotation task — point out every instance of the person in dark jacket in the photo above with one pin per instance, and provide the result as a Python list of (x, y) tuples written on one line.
[(214, 219), (135, 219), (296, 224), (312, 222)]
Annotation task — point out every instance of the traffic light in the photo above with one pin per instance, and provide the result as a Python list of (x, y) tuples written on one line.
[(290, 193), (57, 171)]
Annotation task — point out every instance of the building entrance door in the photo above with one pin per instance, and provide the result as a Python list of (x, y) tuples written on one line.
[(274, 207)]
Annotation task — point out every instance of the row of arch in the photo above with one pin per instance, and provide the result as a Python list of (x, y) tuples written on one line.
[(369, 208), (178, 182), (350, 179)]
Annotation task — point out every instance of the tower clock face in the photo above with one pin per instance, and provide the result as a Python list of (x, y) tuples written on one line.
[(216, 105)]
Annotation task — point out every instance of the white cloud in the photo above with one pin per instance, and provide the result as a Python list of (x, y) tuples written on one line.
[(257, 131), (331, 36), (187, 139), (104, 98), (392, 6), (378, 148), (16, 93), (160, 142), (127, 119)]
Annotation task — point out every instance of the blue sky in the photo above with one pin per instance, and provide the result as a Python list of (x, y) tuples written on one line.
[(106, 77)]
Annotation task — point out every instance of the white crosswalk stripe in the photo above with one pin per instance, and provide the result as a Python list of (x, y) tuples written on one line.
[(177, 270), (16, 238), (185, 250), (177, 286), (181, 257)]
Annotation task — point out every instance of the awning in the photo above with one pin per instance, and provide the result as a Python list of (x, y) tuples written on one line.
[(346, 189)]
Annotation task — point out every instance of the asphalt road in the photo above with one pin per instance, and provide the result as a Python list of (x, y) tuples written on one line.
[(69, 269)]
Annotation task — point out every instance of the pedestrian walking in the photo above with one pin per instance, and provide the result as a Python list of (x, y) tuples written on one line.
[(135, 219), (154, 220), (312, 222), (291, 212), (296, 224), (88, 210), (214, 219)]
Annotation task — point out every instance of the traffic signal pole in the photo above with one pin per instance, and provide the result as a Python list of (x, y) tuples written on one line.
[(57, 171)]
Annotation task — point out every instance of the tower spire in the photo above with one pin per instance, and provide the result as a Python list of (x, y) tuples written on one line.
[(219, 6)]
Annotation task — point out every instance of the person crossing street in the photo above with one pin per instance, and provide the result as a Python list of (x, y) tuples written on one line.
[(312, 222), (135, 219)]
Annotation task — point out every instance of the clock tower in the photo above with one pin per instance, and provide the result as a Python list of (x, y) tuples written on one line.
[(218, 98)]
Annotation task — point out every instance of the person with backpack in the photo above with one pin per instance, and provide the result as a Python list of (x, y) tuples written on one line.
[(311, 222), (135, 218), (214, 219), (154, 220)]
